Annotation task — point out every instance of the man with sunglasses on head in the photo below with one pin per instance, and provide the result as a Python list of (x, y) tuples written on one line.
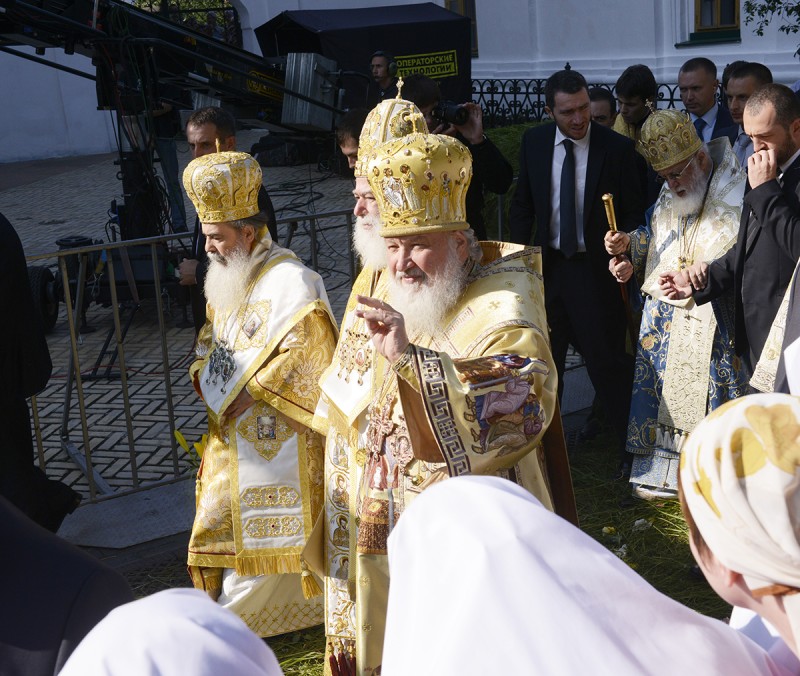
[(685, 364)]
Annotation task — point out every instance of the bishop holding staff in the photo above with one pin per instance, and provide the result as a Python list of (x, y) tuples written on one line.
[(685, 363)]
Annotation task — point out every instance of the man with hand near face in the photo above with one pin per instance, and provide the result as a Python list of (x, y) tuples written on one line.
[(760, 266)]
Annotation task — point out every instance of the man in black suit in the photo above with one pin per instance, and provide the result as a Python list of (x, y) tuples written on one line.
[(53, 596), (760, 266), (565, 169), (698, 84), (205, 129), (742, 81)]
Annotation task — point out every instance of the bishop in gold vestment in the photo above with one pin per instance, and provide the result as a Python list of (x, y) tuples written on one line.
[(465, 382), (268, 338), (347, 384)]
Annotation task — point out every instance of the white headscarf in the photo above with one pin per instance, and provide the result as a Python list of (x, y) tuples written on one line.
[(178, 632), (740, 473), (484, 580)]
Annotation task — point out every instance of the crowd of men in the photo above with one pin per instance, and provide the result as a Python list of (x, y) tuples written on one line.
[(451, 353), (450, 356)]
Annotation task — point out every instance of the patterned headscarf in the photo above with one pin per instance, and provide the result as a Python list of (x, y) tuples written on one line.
[(740, 474)]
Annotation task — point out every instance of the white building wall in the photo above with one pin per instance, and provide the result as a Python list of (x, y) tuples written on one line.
[(534, 38), (50, 113), (54, 114)]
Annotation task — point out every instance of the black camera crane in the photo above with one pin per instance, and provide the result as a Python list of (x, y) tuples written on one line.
[(139, 57)]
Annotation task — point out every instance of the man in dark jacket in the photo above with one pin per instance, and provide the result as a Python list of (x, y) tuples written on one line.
[(26, 366), (565, 169), (53, 596)]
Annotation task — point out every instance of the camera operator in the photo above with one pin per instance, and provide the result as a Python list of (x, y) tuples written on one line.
[(490, 169)]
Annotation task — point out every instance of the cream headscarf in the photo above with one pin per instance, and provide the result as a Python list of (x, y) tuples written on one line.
[(740, 474), (485, 580), (172, 633)]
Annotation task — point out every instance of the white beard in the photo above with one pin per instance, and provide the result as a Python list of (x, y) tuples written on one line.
[(227, 280), (367, 242), (692, 202), (425, 304)]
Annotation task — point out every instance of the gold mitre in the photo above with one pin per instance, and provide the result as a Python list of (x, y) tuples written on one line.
[(223, 186), (668, 137), (420, 182), (390, 119)]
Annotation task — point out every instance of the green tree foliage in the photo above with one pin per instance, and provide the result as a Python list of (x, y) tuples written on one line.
[(184, 5), (763, 12)]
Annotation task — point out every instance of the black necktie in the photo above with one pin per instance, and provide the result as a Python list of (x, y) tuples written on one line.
[(569, 232), (700, 124), (752, 231)]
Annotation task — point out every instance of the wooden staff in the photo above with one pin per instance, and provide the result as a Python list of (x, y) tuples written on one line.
[(608, 203)]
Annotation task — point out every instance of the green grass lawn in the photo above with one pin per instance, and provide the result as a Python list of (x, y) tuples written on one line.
[(659, 551), (657, 548)]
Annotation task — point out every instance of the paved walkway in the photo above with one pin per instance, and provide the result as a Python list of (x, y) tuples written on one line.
[(50, 199)]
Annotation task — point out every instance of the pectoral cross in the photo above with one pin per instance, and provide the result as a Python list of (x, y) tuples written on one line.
[(380, 424)]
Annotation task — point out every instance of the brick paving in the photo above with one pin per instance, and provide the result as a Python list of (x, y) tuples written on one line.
[(48, 200)]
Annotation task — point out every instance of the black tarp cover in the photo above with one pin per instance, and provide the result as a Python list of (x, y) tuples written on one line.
[(422, 37)]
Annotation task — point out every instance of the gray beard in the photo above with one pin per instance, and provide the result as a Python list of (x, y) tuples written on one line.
[(425, 305), (368, 244), (227, 280), (691, 204)]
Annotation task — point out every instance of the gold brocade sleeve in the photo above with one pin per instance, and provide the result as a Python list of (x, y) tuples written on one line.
[(486, 412), (290, 379), (204, 345)]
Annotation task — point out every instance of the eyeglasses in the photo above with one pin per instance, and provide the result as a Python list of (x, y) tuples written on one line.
[(677, 177)]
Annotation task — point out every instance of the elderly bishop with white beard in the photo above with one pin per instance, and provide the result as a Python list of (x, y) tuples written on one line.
[(685, 361), (268, 337), (348, 383), (466, 383)]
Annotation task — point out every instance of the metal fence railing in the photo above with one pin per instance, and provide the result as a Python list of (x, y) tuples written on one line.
[(114, 422), (520, 101)]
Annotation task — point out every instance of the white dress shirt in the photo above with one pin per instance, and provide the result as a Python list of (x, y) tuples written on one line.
[(710, 119), (581, 152), (788, 163)]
